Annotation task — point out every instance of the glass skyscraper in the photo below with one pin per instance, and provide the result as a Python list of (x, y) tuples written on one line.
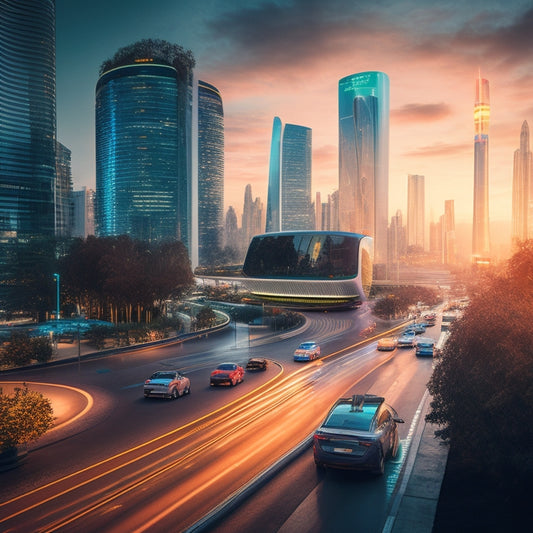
[(210, 172), (27, 141), (480, 237), (143, 143), (415, 211), (364, 157), (522, 189), (289, 184)]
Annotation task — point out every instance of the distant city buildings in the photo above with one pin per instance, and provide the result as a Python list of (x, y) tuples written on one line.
[(143, 143), (449, 246), (289, 203), (83, 213), (364, 157), (480, 233), (522, 215), (63, 192), (210, 175), (416, 209)]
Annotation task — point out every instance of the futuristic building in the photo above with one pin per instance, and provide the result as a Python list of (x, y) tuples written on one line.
[(289, 180), (310, 269), (364, 157), (143, 143), (523, 189), (210, 172), (27, 137), (480, 234)]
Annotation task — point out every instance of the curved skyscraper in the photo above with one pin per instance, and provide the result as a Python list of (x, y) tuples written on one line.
[(480, 235), (210, 172), (289, 184), (27, 145), (364, 157), (143, 143)]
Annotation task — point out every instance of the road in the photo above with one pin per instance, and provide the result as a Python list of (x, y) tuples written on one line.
[(137, 465)]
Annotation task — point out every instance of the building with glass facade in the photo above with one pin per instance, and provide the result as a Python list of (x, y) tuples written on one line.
[(289, 203), (210, 173), (27, 128), (480, 235), (364, 157), (310, 269), (143, 120), (63, 192)]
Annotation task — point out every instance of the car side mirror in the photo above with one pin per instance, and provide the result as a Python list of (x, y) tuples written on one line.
[(399, 420)]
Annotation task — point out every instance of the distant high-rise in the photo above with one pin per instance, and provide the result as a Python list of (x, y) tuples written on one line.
[(289, 181), (63, 191), (415, 211), (143, 143), (449, 251), (480, 234), (364, 157), (523, 189), (83, 213), (210, 173), (252, 216), (27, 138)]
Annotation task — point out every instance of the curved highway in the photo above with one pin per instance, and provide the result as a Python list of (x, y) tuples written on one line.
[(132, 464)]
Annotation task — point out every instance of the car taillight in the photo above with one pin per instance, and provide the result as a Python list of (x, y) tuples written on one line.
[(147, 381)]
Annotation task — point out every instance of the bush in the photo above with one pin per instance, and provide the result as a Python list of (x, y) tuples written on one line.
[(24, 416)]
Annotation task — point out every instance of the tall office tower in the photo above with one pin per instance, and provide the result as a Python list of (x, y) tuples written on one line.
[(415, 211), (83, 213), (364, 157), (232, 233), (480, 234), (522, 189), (27, 132), (289, 179), (449, 251), (247, 215), (143, 143), (396, 244), (333, 201), (63, 191), (318, 211), (210, 173)]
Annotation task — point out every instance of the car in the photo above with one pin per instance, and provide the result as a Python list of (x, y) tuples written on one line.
[(430, 319), (417, 327), (359, 433), (256, 363), (387, 343), (407, 339), (307, 351), (167, 384), (227, 374), (425, 346)]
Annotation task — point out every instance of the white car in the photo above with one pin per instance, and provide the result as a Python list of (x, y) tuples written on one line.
[(307, 351), (167, 384)]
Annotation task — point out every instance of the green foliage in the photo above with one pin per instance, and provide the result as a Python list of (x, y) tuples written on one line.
[(205, 318), (97, 336), (22, 349), (24, 416), (482, 387), (398, 300)]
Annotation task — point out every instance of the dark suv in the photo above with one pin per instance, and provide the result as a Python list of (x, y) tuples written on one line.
[(359, 433)]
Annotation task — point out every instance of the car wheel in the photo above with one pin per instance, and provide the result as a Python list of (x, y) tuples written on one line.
[(188, 390), (174, 394), (380, 470)]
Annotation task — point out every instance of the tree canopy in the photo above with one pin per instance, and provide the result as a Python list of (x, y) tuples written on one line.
[(482, 387)]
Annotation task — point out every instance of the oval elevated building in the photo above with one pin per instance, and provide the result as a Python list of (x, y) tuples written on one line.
[(310, 269)]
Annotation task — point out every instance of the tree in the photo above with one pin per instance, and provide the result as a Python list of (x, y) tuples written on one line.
[(482, 387), (205, 318), (24, 416)]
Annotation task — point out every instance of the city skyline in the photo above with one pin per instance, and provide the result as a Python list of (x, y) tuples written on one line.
[(286, 59)]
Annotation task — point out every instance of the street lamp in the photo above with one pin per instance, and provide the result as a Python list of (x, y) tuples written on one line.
[(56, 278)]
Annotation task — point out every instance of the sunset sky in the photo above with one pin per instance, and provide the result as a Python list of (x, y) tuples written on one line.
[(285, 58)]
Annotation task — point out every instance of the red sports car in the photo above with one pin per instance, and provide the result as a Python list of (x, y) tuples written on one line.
[(227, 374)]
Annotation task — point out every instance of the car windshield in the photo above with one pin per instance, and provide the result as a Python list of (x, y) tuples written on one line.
[(307, 345), (343, 417), (163, 375), (226, 366)]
